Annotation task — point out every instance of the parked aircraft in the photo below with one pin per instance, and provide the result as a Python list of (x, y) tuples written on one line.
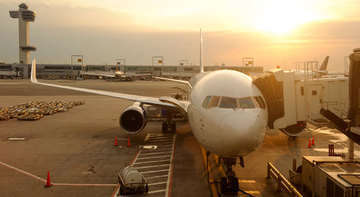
[(226, 111), (120, 75)]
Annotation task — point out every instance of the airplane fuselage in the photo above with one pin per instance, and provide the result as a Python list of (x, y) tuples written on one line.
[(227, 113)]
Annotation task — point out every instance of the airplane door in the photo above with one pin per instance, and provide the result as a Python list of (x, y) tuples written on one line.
[(314, 102)]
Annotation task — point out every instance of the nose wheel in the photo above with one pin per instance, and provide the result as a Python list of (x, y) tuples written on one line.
[(229, 185)]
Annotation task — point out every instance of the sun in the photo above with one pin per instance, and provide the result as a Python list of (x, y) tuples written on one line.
[(281, 16)]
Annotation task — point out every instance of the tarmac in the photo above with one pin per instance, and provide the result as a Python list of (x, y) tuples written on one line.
[(77, 147)]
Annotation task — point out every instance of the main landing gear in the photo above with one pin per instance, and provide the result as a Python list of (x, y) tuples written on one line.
[(169, 125)]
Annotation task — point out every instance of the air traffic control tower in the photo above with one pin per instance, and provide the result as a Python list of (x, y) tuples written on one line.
[(25, 16)]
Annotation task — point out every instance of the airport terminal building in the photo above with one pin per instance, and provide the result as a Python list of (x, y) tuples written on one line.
[(68, 71)]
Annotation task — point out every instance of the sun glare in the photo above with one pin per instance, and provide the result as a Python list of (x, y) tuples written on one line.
[(282, 16)]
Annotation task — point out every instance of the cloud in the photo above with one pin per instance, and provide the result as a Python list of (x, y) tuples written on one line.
[(103, 35)]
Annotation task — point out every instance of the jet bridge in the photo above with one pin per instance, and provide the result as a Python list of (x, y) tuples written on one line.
[(293, 98), (350, 128), (279, 90)]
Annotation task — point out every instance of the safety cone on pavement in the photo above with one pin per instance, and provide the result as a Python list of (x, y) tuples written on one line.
[(48, 182), (313, 141), (309, 145), (129, 143), (116, 142)]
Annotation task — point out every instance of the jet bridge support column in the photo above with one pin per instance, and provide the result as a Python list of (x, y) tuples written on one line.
[(354, 95), (354, 88)]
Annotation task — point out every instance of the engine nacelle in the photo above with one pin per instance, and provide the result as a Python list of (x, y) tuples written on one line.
[(133, 119)]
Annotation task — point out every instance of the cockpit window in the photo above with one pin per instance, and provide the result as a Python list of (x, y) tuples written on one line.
[(206, 101), (228, 102), (214, 100), (260, 102), (246, 103)]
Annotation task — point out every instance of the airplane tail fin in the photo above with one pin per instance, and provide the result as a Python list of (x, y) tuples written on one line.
[(201, 53), (33, 71), (324, 64)]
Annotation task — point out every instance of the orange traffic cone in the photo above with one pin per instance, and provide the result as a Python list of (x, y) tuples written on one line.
[(129, 143), (48, 182), (313, 141), (116, 142), (309, 145)]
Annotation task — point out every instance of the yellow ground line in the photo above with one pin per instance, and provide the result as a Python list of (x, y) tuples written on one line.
[(247, 181), (253, 192), (212, 186)]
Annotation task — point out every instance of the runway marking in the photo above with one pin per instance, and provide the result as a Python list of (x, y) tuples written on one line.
[(154, 166), (142, 158), (116, 190), (169, 182), (157, 153), (158, 141), (154, 156), (253, 192), (157, 191), (155, 177), (158, 183), (144, 162), (55, 184), (213, 188), (211, 180), (246, 181), (85, 185), (148, 159), (154, 171), (23, 172)]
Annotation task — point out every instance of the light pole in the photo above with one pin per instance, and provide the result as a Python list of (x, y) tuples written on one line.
[(158, 60), (120, 61)]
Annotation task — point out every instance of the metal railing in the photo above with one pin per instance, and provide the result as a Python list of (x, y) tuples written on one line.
[(282, 182)]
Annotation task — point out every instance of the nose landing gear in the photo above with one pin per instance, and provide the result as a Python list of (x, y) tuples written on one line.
[(229, 185)]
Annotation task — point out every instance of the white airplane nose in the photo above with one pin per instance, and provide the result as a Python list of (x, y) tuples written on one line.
[(244, 133)]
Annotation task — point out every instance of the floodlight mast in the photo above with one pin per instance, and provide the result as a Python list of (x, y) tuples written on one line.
[(24, 16)]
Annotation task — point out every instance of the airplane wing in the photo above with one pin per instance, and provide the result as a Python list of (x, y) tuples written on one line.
[(175, 80), (163, 101)]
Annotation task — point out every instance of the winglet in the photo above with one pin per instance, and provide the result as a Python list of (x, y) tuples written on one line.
[(201, 53), (33, 71)]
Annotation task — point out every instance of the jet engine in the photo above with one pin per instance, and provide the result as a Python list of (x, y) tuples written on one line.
[(133, 119)]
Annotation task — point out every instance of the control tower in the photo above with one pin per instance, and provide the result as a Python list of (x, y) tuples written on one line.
[(25, 16)]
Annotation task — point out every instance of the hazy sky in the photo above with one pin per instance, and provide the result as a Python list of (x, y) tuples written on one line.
[(274, 32)]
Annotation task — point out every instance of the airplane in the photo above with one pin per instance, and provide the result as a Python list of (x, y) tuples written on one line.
[(117, 75), (226, 111), (313, 73)]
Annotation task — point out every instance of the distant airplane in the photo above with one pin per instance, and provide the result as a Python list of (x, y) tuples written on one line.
[(324, 64), (117, 75), (226, 111)]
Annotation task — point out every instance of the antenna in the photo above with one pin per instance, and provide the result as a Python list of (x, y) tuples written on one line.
[(201, 52)]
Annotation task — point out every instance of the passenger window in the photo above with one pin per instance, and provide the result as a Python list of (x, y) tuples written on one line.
[(246, 103), (228, 102), (206, 101), (214, 100)]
